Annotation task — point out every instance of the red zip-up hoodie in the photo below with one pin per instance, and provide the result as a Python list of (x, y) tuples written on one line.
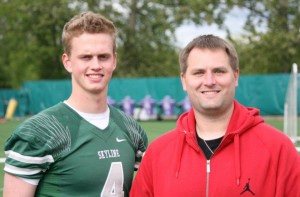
[(253, 159)]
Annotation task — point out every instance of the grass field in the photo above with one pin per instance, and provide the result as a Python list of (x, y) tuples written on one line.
[(153, 129)]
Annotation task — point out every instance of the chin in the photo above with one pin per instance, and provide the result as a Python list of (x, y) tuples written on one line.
[(210, 108), (97, 90), (210, 105)]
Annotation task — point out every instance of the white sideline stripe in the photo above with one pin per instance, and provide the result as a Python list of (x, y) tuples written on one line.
[(2, 160)]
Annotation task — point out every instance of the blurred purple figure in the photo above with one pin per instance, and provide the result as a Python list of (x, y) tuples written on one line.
[(186, 104), (148, 105), (127, 105), (168, 105)]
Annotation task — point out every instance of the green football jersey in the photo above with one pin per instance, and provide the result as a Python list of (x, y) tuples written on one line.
[(72, 157)]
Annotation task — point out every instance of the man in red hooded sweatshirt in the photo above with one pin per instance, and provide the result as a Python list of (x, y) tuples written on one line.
[(219, 148)]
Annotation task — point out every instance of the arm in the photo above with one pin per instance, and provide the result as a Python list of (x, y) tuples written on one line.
[(142, 146), (14, 187), (288, 180), (142, 184), (293, 186)]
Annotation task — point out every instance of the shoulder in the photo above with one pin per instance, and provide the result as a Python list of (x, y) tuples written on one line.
[(59, 111), (45, 128), (162, 149), (56, 115), (273, 139), (265, 132), (166, 141), (122, 119), (119, 114), (280, 147)]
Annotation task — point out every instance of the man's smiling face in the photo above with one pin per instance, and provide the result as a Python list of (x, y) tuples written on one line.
[(209, 80)]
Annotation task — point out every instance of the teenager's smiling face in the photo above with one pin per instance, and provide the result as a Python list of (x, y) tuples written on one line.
[(91, 62), (209, 80)]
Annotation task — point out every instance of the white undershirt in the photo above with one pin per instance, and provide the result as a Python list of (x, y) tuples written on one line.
[(100, 120)]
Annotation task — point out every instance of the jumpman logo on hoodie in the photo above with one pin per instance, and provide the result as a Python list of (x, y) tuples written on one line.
[(247, 188)]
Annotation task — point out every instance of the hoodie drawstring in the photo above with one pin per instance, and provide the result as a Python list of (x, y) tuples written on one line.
[(180, 150), (237, 159)]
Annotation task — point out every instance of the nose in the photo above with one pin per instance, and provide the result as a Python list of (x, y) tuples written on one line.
[(209, 79), (96, 63)]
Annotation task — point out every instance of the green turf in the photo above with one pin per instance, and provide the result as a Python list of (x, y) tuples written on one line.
[(153, 129), (157, 128), (1, 178)]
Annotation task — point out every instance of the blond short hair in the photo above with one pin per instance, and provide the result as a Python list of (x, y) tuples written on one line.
[(87, 22)]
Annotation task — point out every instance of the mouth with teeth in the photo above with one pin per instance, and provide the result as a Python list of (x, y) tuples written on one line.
[(95, 76), (210, 92)]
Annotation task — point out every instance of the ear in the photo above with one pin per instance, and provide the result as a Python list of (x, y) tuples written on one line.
[(66, 62), (236, 77), (115, 61), (182, 77)]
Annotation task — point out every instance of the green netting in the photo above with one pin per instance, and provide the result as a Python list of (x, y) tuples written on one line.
[(46, 93), (138, 88), (266, 92), (20, 95)]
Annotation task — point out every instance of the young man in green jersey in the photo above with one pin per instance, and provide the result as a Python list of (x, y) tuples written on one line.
[(82, 146)]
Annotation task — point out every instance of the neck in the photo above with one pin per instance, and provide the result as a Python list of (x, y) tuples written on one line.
[(212, 127), (88, 103)]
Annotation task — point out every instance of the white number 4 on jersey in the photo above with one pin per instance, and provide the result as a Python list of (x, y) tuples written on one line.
[(114, 183)]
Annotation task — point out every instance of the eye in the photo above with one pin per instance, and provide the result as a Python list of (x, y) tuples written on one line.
[(86, 57), (220, 71), (198, 72), (103, 57)]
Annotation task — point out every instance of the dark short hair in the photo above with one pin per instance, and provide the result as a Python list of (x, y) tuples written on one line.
[(209, 42)]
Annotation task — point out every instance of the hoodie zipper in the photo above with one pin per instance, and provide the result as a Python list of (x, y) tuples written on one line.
[(208, 169), (207, 176)]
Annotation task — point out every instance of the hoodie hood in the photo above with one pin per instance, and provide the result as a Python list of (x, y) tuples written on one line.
[(242, 119)]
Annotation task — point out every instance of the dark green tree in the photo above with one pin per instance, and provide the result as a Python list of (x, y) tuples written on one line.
[(275, 49), (147, 43), (30, 40), (30, 34)]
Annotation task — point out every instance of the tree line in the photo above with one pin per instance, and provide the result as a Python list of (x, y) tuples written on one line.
[(30, 35)]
